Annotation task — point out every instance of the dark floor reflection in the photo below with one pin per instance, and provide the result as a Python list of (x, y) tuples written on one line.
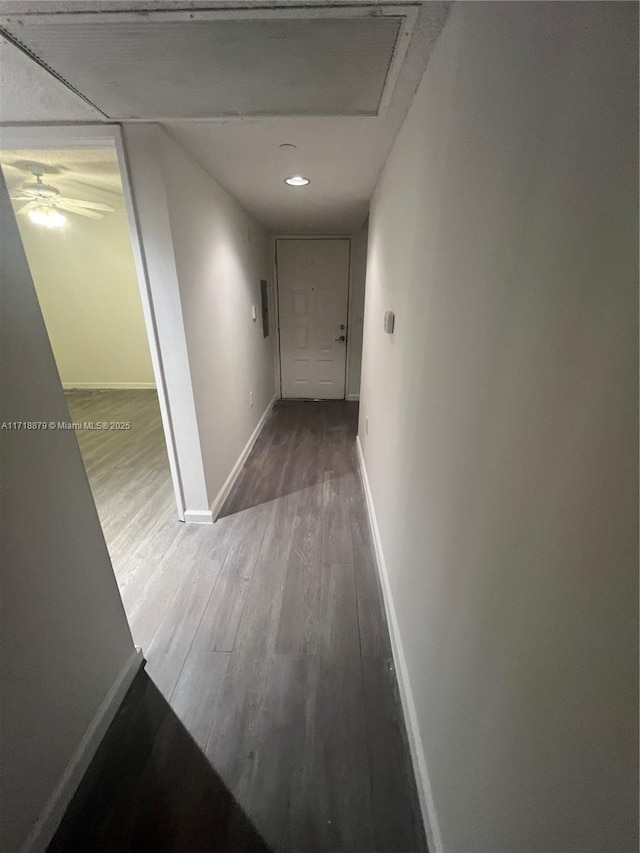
[(150, 788)]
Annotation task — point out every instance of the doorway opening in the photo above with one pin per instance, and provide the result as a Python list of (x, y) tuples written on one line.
[(73, 213)]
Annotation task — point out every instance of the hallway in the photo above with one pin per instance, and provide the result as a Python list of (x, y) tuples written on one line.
[(272, 651), (430, 208)]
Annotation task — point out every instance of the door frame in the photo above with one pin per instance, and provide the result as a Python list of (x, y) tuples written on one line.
[(307, 237), (42, 137)]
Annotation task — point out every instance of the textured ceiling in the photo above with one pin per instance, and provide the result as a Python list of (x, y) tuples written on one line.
[(29, 93), (184, 68), (342, 158), (342, 154), (90, 174), (22, 7)]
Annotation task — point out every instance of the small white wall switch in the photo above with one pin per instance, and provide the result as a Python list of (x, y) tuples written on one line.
[(251, 398), (254, 313), (389, 322), (366, 425)]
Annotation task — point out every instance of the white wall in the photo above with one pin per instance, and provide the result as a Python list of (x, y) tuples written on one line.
[(88, 291), (502, 423), (64, 636), (156, 244), (219, 255), (356, 310)]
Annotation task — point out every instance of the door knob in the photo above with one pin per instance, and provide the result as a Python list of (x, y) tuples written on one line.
[(341, 338)]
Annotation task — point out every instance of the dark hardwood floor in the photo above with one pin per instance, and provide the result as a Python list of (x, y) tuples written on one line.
[(268, 717)]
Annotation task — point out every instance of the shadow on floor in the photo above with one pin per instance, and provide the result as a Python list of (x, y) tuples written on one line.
[(150, 789), (301, 445)]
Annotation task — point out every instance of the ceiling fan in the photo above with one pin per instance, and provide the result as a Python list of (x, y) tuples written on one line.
[(44, 203)]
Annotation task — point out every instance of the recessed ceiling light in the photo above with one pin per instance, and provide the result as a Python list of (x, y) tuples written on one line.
[(288, 146), (297, 181)]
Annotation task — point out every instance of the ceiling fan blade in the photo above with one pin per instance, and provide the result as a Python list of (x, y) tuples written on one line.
[(26, 207), (103, 184), (90, 205), (81, 211), (22, 198)]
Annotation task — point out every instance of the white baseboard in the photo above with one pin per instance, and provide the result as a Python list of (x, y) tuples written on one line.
[(222, 495), (353, 397), (429, 817), (106, 386), (198, 516), (40, 836)]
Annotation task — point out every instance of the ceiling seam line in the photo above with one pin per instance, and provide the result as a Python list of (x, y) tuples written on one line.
[(23, 48), (236, 6)]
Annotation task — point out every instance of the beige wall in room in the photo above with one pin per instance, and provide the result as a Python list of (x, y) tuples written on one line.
[(66, 646), (88, 290), (502, 423)]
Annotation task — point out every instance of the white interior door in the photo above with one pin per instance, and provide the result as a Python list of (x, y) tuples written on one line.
[(313, 286)]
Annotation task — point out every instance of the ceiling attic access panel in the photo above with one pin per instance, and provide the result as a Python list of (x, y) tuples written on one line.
[(199, 65)]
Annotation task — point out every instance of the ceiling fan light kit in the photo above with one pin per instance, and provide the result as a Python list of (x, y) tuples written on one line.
[(44, 203), (47, 216)]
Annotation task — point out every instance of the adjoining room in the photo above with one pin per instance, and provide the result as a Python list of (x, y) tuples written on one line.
[(72, 218)]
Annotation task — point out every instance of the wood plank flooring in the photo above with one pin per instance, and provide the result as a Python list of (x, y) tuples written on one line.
[(268, 718)]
